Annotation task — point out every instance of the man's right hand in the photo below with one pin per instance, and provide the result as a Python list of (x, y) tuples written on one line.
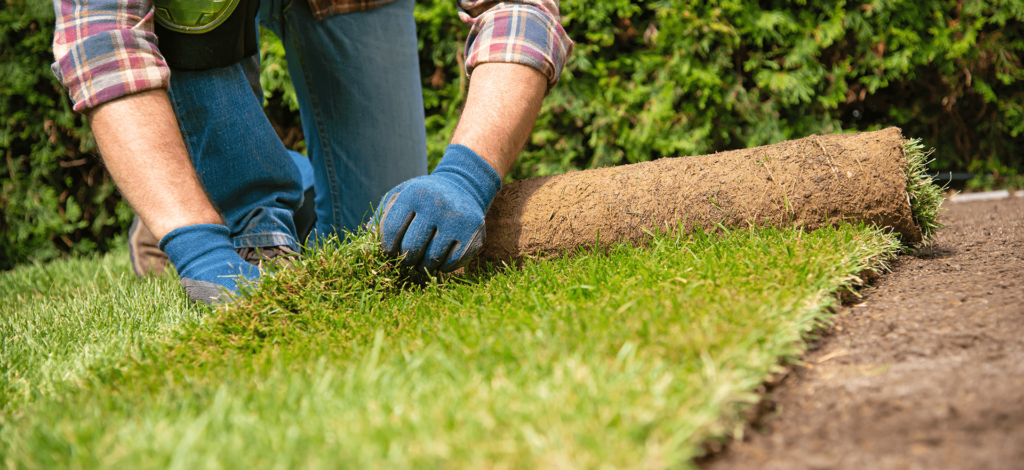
[(145, 153), (207, 263)]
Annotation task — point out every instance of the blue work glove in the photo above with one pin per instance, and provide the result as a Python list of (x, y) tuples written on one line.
[(207, 263), (437, 221)]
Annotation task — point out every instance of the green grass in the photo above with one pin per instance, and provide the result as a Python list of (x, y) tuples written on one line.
[(60, 320), (628, 358), (925, 197)]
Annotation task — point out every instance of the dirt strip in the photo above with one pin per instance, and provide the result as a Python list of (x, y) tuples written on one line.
[(926, 373)]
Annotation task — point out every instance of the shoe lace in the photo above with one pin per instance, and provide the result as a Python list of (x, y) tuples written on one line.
[(271, 254)]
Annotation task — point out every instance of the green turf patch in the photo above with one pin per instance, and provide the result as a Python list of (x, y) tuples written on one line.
[(60, 320), (629, 358)]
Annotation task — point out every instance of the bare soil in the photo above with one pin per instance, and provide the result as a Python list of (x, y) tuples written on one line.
[(926, 372), (807, 182)]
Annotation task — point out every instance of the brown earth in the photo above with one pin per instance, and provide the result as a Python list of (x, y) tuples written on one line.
[(808, 182), (926, 372)]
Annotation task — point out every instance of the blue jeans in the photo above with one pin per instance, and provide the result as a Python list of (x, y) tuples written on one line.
[(357, 80)]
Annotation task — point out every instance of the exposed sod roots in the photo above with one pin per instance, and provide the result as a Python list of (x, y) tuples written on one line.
[(873, 177)]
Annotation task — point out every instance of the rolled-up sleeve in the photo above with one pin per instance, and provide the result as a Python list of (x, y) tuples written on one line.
[(527, 32), (106, 49)]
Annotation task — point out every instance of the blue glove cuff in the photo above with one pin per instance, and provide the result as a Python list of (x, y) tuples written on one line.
[(189, 241), (478, 177), (204, 252)]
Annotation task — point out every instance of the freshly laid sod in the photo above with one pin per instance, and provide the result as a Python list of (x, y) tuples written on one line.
[(60, 320), (631, 357)]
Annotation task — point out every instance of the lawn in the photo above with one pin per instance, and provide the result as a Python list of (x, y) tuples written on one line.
[(626, 358)]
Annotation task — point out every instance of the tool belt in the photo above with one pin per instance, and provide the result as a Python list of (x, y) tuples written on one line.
[(206, 34)]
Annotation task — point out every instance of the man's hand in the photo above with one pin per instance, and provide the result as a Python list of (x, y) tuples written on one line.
[(437, 221), (143, 148)]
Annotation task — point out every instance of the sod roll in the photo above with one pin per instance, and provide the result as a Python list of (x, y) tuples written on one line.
[(808, 182)]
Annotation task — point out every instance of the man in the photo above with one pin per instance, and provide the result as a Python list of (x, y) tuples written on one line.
[(181, 128)]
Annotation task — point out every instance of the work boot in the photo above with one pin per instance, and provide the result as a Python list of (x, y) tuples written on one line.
[(146, 257), (281, 256)]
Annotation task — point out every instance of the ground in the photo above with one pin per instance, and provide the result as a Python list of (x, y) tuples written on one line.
[(629, 359), (925, 371)]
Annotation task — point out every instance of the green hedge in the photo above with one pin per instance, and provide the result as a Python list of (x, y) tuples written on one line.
[(648, 79), (57, 197), (666, 78)]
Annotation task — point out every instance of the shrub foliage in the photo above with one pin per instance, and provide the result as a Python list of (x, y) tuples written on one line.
[(57, 197), (668, 78), (648, 79)]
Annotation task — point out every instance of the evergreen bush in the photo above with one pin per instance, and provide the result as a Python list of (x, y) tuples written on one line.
[(57, 197), (671, 77), (648, 79)]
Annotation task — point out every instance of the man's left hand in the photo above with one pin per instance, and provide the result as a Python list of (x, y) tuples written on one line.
[(436, 222)]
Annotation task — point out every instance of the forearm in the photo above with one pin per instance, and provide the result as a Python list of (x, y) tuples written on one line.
[(503, 103), (144, 151)]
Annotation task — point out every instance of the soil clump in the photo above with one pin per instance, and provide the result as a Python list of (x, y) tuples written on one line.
[(926, 371)]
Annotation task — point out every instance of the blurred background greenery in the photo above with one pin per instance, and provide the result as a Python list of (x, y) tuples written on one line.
[(648, 79)]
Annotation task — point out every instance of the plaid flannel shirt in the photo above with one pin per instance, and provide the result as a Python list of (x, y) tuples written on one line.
[(106, 49)]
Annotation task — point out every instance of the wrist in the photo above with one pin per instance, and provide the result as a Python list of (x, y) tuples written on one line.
[(501, 108), (184, 245), (492, 158), (476, 175), (161, 227)]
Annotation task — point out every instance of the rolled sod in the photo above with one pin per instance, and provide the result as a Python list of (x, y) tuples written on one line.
[(865, 177)]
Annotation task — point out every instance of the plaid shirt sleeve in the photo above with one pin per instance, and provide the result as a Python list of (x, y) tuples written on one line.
[(106, 49), (525, 32)]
